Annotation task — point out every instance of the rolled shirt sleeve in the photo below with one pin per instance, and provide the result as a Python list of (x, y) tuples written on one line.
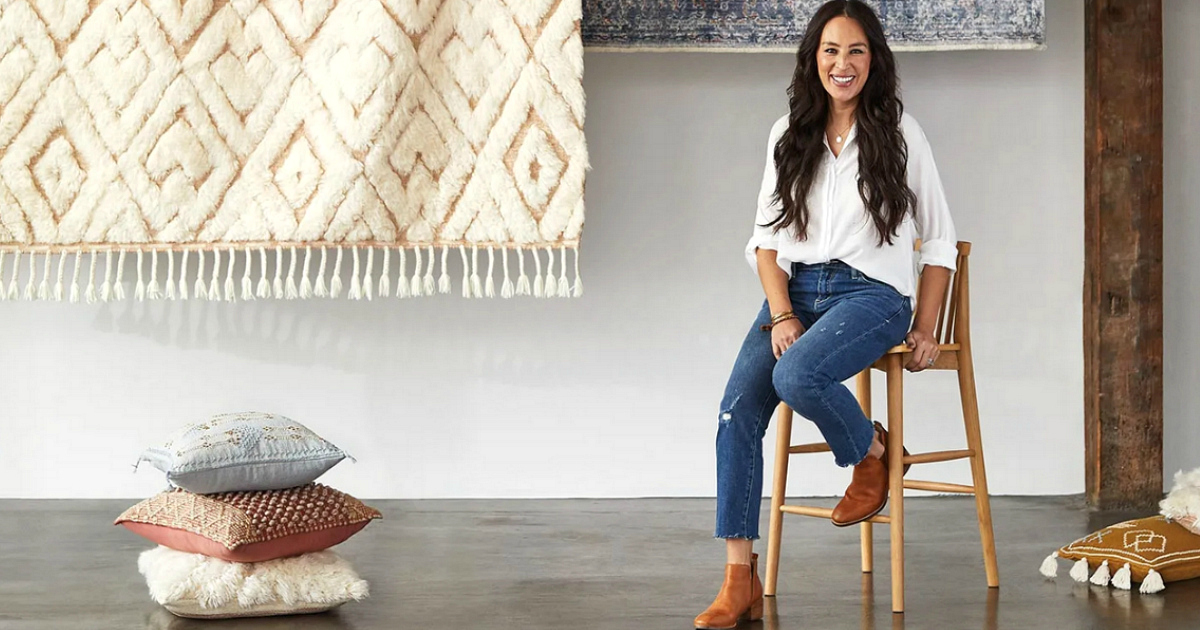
[(768, 207), (939, 242)]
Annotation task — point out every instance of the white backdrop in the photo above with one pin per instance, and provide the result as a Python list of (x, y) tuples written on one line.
[(614, 394)]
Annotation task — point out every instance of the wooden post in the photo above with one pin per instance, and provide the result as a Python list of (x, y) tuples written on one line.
[(1123, 300)]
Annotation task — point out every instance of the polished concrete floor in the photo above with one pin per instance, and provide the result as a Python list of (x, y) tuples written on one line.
[(583, 565)]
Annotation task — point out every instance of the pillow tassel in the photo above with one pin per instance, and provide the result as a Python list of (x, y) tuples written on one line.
[(1079, 572), (1122, 578), (1050, 565), (1101, 576), (1152, 584)]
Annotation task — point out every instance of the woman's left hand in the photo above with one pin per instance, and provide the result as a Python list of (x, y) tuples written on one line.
[(924, 350)]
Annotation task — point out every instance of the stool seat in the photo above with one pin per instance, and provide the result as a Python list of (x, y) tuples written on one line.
[(954, 343)]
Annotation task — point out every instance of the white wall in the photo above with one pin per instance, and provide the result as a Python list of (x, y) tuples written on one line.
[(614, 394), (1181, 235)]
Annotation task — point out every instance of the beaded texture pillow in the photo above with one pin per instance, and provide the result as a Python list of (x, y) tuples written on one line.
[(1150, 550), (243, 451), (250, 526), (192, 585)]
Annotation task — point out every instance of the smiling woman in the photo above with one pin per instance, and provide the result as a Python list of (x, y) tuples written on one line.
[(849, 187)]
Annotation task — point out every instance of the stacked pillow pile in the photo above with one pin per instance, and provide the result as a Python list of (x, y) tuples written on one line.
[(243, 530)]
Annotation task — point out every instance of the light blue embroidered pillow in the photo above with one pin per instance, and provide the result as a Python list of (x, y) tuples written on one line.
[(243, 451)]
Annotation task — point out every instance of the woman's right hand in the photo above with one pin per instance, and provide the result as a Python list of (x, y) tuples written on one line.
[(784, 334)]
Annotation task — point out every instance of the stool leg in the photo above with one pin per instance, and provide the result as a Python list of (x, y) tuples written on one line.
[(783, 440), (895, 452), (983, 508), (863, 381)]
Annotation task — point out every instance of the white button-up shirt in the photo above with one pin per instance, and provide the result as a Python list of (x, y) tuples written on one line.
[(839, 226)]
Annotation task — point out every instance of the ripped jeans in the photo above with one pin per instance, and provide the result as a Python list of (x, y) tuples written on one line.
[(850, 320)]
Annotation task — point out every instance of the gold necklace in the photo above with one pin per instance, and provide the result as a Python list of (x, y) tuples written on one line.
[(839, 136)]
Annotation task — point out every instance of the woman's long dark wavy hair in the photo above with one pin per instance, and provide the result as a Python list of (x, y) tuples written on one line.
[(883, 153)]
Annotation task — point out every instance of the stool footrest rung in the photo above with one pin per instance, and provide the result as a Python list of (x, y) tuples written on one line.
[(937, 486), (938, 456), (804, 510), (820, 447)]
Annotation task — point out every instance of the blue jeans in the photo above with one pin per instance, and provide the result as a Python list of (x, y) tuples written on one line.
[(850, 320)]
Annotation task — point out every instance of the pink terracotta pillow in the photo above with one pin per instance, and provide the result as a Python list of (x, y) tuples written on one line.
[(250, 526)]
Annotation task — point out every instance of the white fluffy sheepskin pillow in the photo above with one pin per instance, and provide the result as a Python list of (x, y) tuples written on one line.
[(193, 585), (1182, 504)]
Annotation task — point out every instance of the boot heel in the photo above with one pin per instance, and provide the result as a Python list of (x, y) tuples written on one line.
[(756, 610)]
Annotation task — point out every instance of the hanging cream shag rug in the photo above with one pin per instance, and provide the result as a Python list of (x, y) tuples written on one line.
[(234, 149)]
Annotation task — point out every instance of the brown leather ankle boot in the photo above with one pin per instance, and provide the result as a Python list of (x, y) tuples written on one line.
[(741, 597), (868, 491)]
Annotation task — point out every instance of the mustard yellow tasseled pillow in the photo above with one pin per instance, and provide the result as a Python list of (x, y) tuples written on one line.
[(1150, 550)]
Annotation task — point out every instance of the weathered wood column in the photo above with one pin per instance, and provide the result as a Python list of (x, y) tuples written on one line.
[(1123, 300)]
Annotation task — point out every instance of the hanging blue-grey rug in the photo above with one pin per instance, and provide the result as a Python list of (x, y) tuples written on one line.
[(778, 25)]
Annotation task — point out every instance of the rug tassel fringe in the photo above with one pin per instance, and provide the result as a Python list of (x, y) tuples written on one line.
[(551, 279), (355, 284), (523, 286), (443, 283), (1050, 565), (278, 284), (214, 287), (75, 277), (385, 278), (368, 282), (1123, 578), (564, 287), (466, 265), (106, 284), (183, 287), (291, 291), (335, 283), (476, 285), (1079, 571), (262, 287), (89, 293), (417, 290), (506, 288), (402, 285), (58, 284), (305, 283), (319, 289), (13, 293), (489, 287), (119, 279), (417, 285), (247, 283), (169, 288), (30, 291), (364, 282), (200, 290), (153, 290), (43, 291), (230, 289), (1101, 577), (1152, 584), (537, 274), (139, 289)]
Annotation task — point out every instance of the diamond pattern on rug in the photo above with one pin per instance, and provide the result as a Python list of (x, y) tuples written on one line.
[(202, 125)]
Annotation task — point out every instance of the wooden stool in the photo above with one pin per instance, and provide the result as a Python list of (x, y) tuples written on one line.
[(954, 339)]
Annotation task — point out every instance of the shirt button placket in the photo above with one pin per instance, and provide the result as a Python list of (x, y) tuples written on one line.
[(827, 224)]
